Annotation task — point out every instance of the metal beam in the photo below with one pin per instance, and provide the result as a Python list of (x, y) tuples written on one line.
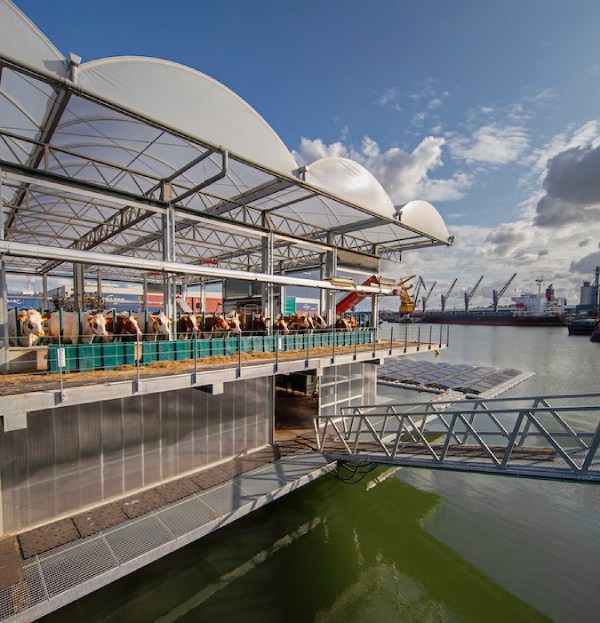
[(18, 249)]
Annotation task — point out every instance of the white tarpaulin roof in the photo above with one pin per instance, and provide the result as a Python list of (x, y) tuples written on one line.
[(93, 154)]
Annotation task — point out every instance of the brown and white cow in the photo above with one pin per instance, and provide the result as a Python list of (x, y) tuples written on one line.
[(92, 325), (280, 325), (296, 322), (187, 326), (215, 325), (158, 327), (319, 322), (31, 327), (342, 324), (234, 320), (125, 328)]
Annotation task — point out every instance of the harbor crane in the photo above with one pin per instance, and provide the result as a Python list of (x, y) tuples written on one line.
[(496, 295), (417, 292), (445, 297), (426, 297), (469, 295)]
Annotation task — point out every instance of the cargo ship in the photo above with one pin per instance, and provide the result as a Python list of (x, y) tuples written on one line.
[(530, 310)]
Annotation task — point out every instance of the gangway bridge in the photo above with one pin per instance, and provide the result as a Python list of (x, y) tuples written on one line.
[(550, 437)]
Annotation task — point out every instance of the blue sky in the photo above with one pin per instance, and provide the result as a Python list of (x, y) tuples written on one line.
[(490, 110)]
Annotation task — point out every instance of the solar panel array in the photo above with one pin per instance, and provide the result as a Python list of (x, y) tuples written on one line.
[(459, 377)]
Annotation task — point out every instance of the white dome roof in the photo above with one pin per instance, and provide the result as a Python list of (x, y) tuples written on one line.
[(188, 100), (351, 181), (424, 217)]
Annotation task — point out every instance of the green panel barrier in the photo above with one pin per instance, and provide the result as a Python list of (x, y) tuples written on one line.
[(166, 351), (88, 357), (110, 355), (52, 358), (258, 343), (217, 347), (183, 349), (348, 339), (231, 345), (339, 339), (269, 344), (129, 354), (202, 348), (289, 342), (299, 341), (149, 352), (246, 344)]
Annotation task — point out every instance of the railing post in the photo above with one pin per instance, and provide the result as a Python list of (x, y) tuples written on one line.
[(419, 339), (391, 339), (195, 354), (239, 341), (440, 342), (447, 335), (333, 349), (61, 358), (374, 342), (308, 334), (430, 333), (277, 352), (405, 338), (355, 335), (137, 361)]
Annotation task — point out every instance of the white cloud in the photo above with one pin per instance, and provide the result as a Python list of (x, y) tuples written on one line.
[(491, 144), (404, 175)]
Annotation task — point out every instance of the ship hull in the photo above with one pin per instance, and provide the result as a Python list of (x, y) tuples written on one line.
[(493, 319)]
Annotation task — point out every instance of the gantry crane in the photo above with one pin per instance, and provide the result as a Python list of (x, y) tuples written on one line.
[(471, 294), (496, 295), (426, 298), (446, 296)]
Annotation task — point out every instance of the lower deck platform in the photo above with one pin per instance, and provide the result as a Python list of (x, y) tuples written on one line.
[(68, 559)]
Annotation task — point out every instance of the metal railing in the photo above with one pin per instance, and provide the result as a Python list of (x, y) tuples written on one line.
[(540, 436)]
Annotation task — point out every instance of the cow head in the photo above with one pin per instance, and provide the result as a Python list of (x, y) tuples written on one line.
[(235, 322), (33, 323), (160, 323), (98, 325), (128, 325), (190, 323)]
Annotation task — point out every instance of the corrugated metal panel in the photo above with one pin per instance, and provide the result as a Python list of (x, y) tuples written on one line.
[(72, 457)]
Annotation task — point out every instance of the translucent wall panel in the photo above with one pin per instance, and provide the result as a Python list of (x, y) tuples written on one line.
[(72, 457), (347, 385)]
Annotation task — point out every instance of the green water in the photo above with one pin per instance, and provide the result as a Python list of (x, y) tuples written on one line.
[(402, 545), (331, 552)]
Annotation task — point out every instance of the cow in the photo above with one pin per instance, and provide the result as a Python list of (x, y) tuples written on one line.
[(157, 326), (214, 325), (319, 322), (187, 325), (77, 327), (234, 320), (342, 324), (280, 325), (300, 323), (31, 327), (126, 328), (260, 325)]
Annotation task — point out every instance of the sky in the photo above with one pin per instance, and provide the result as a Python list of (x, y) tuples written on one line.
[(488, 110)]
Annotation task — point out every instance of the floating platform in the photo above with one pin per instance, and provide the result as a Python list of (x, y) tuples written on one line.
[(65, 560), (461, 379)]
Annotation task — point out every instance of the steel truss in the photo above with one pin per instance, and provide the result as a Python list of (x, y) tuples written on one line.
[(72, 181), (552, 437)]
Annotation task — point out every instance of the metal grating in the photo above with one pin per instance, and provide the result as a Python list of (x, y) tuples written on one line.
[(137, 537), (227, 498), (23, 595), (75, 564), (186, 516), (67, 567)]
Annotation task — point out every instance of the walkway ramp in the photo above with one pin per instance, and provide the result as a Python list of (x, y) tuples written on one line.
[(551, 437)]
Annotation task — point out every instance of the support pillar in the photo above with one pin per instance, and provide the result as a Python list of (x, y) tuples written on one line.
[(45, 304), (4, 359), (78, 286), (267, 266), (99, 304), (168, 221), (145, 294)]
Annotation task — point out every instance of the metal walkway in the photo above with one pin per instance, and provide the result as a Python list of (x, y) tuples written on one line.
[(552, 437)]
